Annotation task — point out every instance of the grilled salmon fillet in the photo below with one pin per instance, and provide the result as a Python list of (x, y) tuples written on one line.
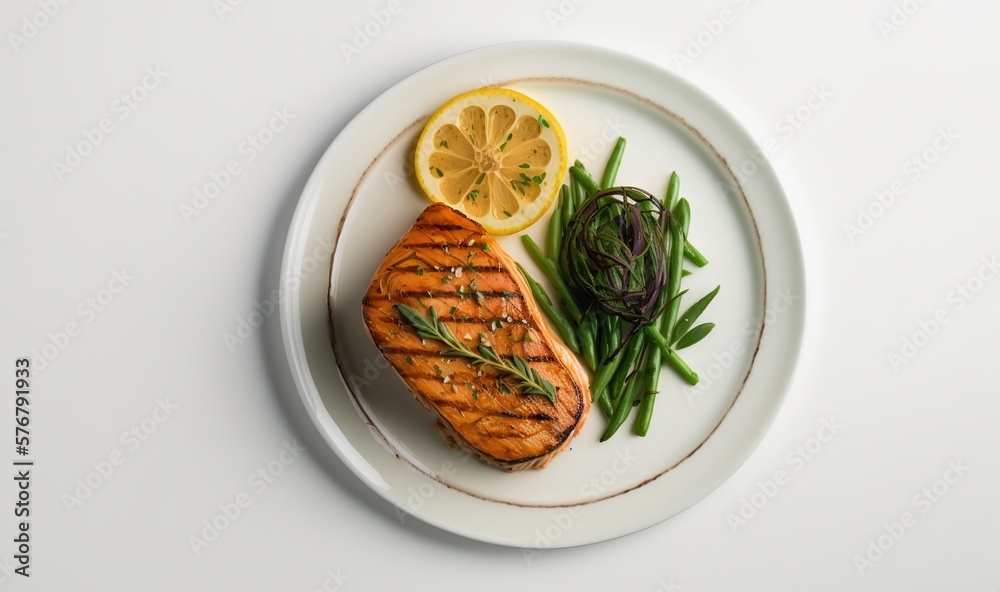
[(448, 262)]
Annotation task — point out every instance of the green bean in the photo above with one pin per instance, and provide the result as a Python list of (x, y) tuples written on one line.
[(653, 362), (694, 255), (680, 366), (633, 350), (655, 335), (614, 161), (604, 374), (579, 194), (584, 179), (679, 220), (550, 270), (604, 402), (654, 358), (685, 222), (553, 239), (588, 340), (624, 406), (568, 209), (673, 192), (545, 303), (565, 197), (606, 337)]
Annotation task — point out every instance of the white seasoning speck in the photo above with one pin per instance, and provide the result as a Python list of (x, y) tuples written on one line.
[(458, 272), (467, 336), (472, 241), (446, 380)]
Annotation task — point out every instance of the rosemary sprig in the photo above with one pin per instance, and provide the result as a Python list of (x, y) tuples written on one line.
[(429, 327)]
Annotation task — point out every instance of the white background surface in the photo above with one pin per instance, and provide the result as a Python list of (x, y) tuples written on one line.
[(63, 237)]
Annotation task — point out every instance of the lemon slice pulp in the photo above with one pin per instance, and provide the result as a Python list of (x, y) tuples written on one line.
[(494, 154)]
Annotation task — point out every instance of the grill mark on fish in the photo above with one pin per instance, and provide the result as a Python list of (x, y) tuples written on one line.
[(406, 351), (466, 266), (444, 295), (443, 253), (440, 226)]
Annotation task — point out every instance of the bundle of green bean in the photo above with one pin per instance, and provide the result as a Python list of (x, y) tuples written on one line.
[(626, 374)]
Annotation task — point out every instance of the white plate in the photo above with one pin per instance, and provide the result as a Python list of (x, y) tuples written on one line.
[(362, 197)]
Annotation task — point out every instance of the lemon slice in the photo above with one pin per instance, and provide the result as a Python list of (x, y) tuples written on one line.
[(494, 154)]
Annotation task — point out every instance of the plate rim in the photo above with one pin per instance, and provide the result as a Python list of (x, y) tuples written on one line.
[(289, 311)]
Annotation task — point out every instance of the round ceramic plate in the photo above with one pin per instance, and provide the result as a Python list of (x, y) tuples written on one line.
[(362, 197)]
